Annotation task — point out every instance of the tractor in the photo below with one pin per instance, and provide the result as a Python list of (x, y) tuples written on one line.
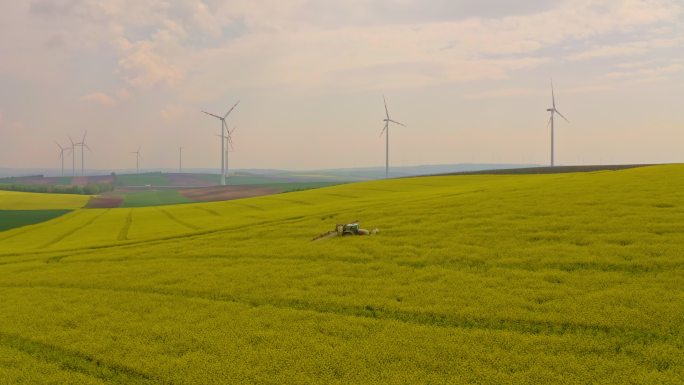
[(342, 230)]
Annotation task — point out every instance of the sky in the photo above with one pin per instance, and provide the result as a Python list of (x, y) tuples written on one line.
[(471, 81)]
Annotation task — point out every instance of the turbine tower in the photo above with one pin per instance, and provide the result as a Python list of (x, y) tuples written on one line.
[(137, 159), (385, 130), (228, 138), (62, 150), (223, 148), (73, 156), (83, 145), (180, 159), (553, 111)]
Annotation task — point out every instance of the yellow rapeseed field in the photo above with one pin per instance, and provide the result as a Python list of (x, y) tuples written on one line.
[(15, 200), (527, 279)]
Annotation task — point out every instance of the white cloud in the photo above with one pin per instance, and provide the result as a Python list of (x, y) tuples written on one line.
[(647, 73), (503, 93), (625, 49), (173, 112), (99, 98)]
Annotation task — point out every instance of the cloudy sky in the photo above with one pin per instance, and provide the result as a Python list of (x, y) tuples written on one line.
[(470, 79)]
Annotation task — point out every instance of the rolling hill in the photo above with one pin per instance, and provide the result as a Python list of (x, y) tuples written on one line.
[(552, 278)]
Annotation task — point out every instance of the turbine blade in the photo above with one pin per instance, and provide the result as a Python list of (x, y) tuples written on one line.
[(549, 122), (385, 101), (71, 140), (84, 136), (395, 122), (384, 128), (60, 147), (553, 96), (231, 109), (561, 115), (209, 113)]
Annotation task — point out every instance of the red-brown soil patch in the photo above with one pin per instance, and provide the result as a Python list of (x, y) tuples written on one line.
[(86, 180), (79, 180), (225, 193), (104, 202)]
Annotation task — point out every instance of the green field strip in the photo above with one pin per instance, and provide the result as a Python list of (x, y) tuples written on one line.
[(75, 361), (36, 227), (10, 219)]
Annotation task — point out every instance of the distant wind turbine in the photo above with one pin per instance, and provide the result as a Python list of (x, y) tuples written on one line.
[(385, 130), (228, 138), (553, 111), (180, 159), (83, 145), (73, 156), (223, 148), (137, 160), (62, 150)]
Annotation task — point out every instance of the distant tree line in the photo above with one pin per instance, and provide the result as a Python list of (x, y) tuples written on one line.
[(89, 189)]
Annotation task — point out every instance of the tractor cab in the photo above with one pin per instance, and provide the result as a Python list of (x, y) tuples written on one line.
[(351, 229)]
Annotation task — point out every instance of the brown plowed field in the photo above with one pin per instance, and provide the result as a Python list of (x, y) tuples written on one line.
[(85, 180), (104, 202), (224, 193)]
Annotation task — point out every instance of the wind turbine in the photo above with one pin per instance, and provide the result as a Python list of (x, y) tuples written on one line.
[(553, 111), (385, 130), (62, 150), (223, 148), (228, 138), (180, 159), (83, 145), (73, 156), (137, 159)]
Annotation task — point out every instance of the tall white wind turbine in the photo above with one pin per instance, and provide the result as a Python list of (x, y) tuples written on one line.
[(73, 156), (229, 139), (180, 159), (385, 130), (62, 150), (83, 145), (223, 142), (553, 111), (137, 159)]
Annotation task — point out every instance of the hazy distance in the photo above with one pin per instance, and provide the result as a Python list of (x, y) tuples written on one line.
[(471, 82)]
